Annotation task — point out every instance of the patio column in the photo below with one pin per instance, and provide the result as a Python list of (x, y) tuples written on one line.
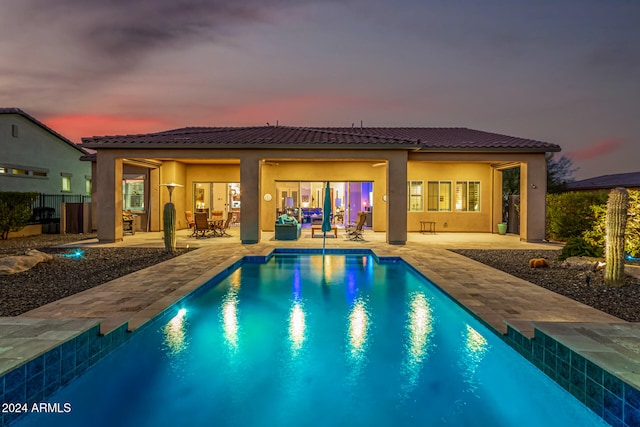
[(250, 198), (533, 199), (497, 203), (109, 203), (154, 208), (397, 198)]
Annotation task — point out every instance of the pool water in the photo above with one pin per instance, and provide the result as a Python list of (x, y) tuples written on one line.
[(313, 341)]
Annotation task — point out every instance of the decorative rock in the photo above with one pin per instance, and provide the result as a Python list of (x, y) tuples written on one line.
[(538, 263), (582, 263), (19, 263)]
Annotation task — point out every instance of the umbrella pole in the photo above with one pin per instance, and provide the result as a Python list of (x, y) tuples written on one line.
[(324, 242)]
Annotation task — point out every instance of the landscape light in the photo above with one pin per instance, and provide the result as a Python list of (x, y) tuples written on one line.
[(78, 253)]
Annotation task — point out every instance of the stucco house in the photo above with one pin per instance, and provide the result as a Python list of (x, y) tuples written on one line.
[(398, 176), (35, 158)]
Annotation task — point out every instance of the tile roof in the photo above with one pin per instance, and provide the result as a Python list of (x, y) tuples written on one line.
[(251, 137), (627, 180), (434, 139), (425, 139), (18, 111)]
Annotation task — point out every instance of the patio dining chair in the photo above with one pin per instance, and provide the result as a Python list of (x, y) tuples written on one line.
[(190, 222), (220, 228), (201, 225), (354, 231)]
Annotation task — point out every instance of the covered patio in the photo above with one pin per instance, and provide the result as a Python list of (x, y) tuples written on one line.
[(452, 176)]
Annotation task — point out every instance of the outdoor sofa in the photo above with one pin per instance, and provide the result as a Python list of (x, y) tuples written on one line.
[(287, 228)]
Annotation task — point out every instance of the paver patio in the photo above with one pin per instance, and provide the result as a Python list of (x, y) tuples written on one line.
[(493, 296)]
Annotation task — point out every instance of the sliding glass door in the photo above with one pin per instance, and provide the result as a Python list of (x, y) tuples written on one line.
[(304, 200), (360, 199)]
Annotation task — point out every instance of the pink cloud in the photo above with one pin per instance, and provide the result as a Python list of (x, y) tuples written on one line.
[(75, 126), (596, 150)]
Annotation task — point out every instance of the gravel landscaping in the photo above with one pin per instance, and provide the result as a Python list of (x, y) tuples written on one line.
[(67, 275), (623, 302)]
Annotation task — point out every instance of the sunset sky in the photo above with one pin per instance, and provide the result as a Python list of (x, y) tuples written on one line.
[(566, 72)]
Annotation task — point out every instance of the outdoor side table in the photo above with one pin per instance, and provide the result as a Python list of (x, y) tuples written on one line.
[(428, 227)]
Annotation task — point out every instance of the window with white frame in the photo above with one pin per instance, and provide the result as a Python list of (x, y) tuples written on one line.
[(66, 183), (133, 192), (414, 195), (439, 196), (467, 196)]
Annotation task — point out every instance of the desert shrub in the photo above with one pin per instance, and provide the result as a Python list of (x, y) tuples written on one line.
[(15, 211), (578, 246), (595, 236), (570, 214), (632, 234)]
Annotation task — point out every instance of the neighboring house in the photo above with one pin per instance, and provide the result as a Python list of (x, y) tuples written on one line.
[(35, 158), (398, 176), (630, 181)]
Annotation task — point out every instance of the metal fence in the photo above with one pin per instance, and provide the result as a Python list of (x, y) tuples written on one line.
[(46, 208)]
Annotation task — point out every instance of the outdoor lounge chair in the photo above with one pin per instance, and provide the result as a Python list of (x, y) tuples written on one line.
[(354, 231), (220, 228), (201, 225), (190, 221)]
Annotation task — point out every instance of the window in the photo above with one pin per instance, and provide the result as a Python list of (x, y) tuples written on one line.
[(133, 193), (468, 196), (439, 196), (14, 131), (66, 183), (87, 185), (414, 194), (23, 171)]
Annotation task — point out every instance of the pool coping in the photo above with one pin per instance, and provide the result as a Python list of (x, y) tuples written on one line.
[(112, 330)]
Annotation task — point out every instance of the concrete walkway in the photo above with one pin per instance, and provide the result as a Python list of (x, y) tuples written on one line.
[(494, 297)]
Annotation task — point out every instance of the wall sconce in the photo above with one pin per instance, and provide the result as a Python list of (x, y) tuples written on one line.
[(533, 186)]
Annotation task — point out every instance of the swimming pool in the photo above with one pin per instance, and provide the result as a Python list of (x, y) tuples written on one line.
[(302, 341)]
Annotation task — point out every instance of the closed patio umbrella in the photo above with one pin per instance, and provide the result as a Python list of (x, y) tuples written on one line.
[(326, 216)]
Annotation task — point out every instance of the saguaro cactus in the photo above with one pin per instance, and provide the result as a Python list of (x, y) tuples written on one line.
[(614, 244), (169, 219)]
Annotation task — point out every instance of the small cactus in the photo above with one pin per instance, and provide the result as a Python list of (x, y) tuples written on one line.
[(616, 222), (169, 220)]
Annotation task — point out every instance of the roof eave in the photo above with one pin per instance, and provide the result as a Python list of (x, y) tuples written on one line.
[(555, 149), (320, 146), (37, 122)]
